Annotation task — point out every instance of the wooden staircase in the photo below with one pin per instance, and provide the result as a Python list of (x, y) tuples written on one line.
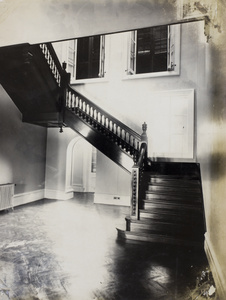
[(171, 210), (166, 198)]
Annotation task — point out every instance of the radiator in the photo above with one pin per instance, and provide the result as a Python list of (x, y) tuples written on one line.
[(6, 195)]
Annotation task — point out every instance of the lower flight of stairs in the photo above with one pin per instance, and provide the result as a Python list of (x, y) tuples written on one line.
[(172, 209)]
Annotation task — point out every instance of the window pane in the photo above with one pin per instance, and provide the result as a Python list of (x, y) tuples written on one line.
[(88, 57), (151, 50)]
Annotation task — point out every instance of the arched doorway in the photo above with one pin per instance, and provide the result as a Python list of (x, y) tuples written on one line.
[(80, 166)]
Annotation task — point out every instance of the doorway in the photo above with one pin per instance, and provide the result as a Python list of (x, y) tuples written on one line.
[(81, 166)]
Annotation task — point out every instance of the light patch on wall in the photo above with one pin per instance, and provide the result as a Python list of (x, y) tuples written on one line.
[(171, 124)]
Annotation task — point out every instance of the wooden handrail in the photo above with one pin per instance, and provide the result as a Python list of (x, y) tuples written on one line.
[(98, 118), (93, 115), (70, 103)]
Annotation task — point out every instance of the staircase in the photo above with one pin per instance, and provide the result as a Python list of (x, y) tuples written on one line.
[(171, 209), (166, 198)]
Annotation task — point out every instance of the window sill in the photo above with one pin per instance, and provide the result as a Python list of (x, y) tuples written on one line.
[(90, 80), (151, 75)]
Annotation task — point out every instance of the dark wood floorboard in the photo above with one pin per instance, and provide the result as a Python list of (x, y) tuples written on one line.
[(63, 250)]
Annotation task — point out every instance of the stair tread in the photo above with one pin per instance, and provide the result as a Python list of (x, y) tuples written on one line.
[(174, 180), (173, 201), (149, 222), (174, 195), (177, 185), (173, 190), (174, 176), (164, 211)]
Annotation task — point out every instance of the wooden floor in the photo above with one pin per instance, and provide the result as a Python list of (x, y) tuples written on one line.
[(62, 250)]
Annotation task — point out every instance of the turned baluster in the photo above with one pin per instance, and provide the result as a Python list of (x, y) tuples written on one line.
[(73, 102), (83, 109), (68, 99), (94, 118), (87, 113), (91, 115)]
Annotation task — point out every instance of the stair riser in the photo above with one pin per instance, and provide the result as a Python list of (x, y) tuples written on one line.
[(185, 198), (168, 229), (162, 240), (180, 219), (172, 182)]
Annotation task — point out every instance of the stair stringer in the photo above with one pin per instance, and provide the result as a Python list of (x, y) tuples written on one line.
[(99, 140)]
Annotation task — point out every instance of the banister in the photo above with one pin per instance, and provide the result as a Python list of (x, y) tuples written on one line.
[(98, 109), (94, 116), (53, 61), (142, 156)]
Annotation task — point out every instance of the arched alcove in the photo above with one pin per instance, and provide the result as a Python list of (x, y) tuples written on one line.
[(80, 174)]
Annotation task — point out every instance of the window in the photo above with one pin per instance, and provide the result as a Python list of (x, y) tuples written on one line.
[(86, 57), (152, 50)]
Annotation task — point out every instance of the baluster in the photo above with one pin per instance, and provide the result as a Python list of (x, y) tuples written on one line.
[(91, 115), (110, 128), (83, 109), (106, 126), (104, 121), (120, 136), (94, 117), (73, 102), (116, 133), (68, 104), (67, 99), (100, 119), (107, 123), (87, 113), (79, 106)]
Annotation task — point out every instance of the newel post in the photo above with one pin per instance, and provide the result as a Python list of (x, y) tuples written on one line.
[(65, 80), (144, 137), (136, 175)]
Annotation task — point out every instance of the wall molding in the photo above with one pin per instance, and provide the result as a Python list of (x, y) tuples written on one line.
[(77, 187), (216, 268), (58, 195), (111, 199), (28, 197)]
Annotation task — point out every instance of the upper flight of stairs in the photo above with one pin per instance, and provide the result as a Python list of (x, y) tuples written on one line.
[(31, 81), (39, 86), (171, 210)]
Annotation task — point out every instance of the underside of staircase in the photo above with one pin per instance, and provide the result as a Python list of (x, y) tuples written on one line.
[(166, 198), (171, 208)]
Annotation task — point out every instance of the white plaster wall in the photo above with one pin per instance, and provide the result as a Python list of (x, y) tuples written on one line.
[(52, 20), (57, 144), (134, 101), (112, 183), (22, 150)]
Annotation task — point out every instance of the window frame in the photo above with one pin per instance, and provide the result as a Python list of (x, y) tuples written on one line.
[(102, 62), (173, 56)]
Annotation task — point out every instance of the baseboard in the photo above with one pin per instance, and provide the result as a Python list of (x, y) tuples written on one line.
[(28, 197), (58, 195), (111, 199), (215, 267), (77, 188)]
